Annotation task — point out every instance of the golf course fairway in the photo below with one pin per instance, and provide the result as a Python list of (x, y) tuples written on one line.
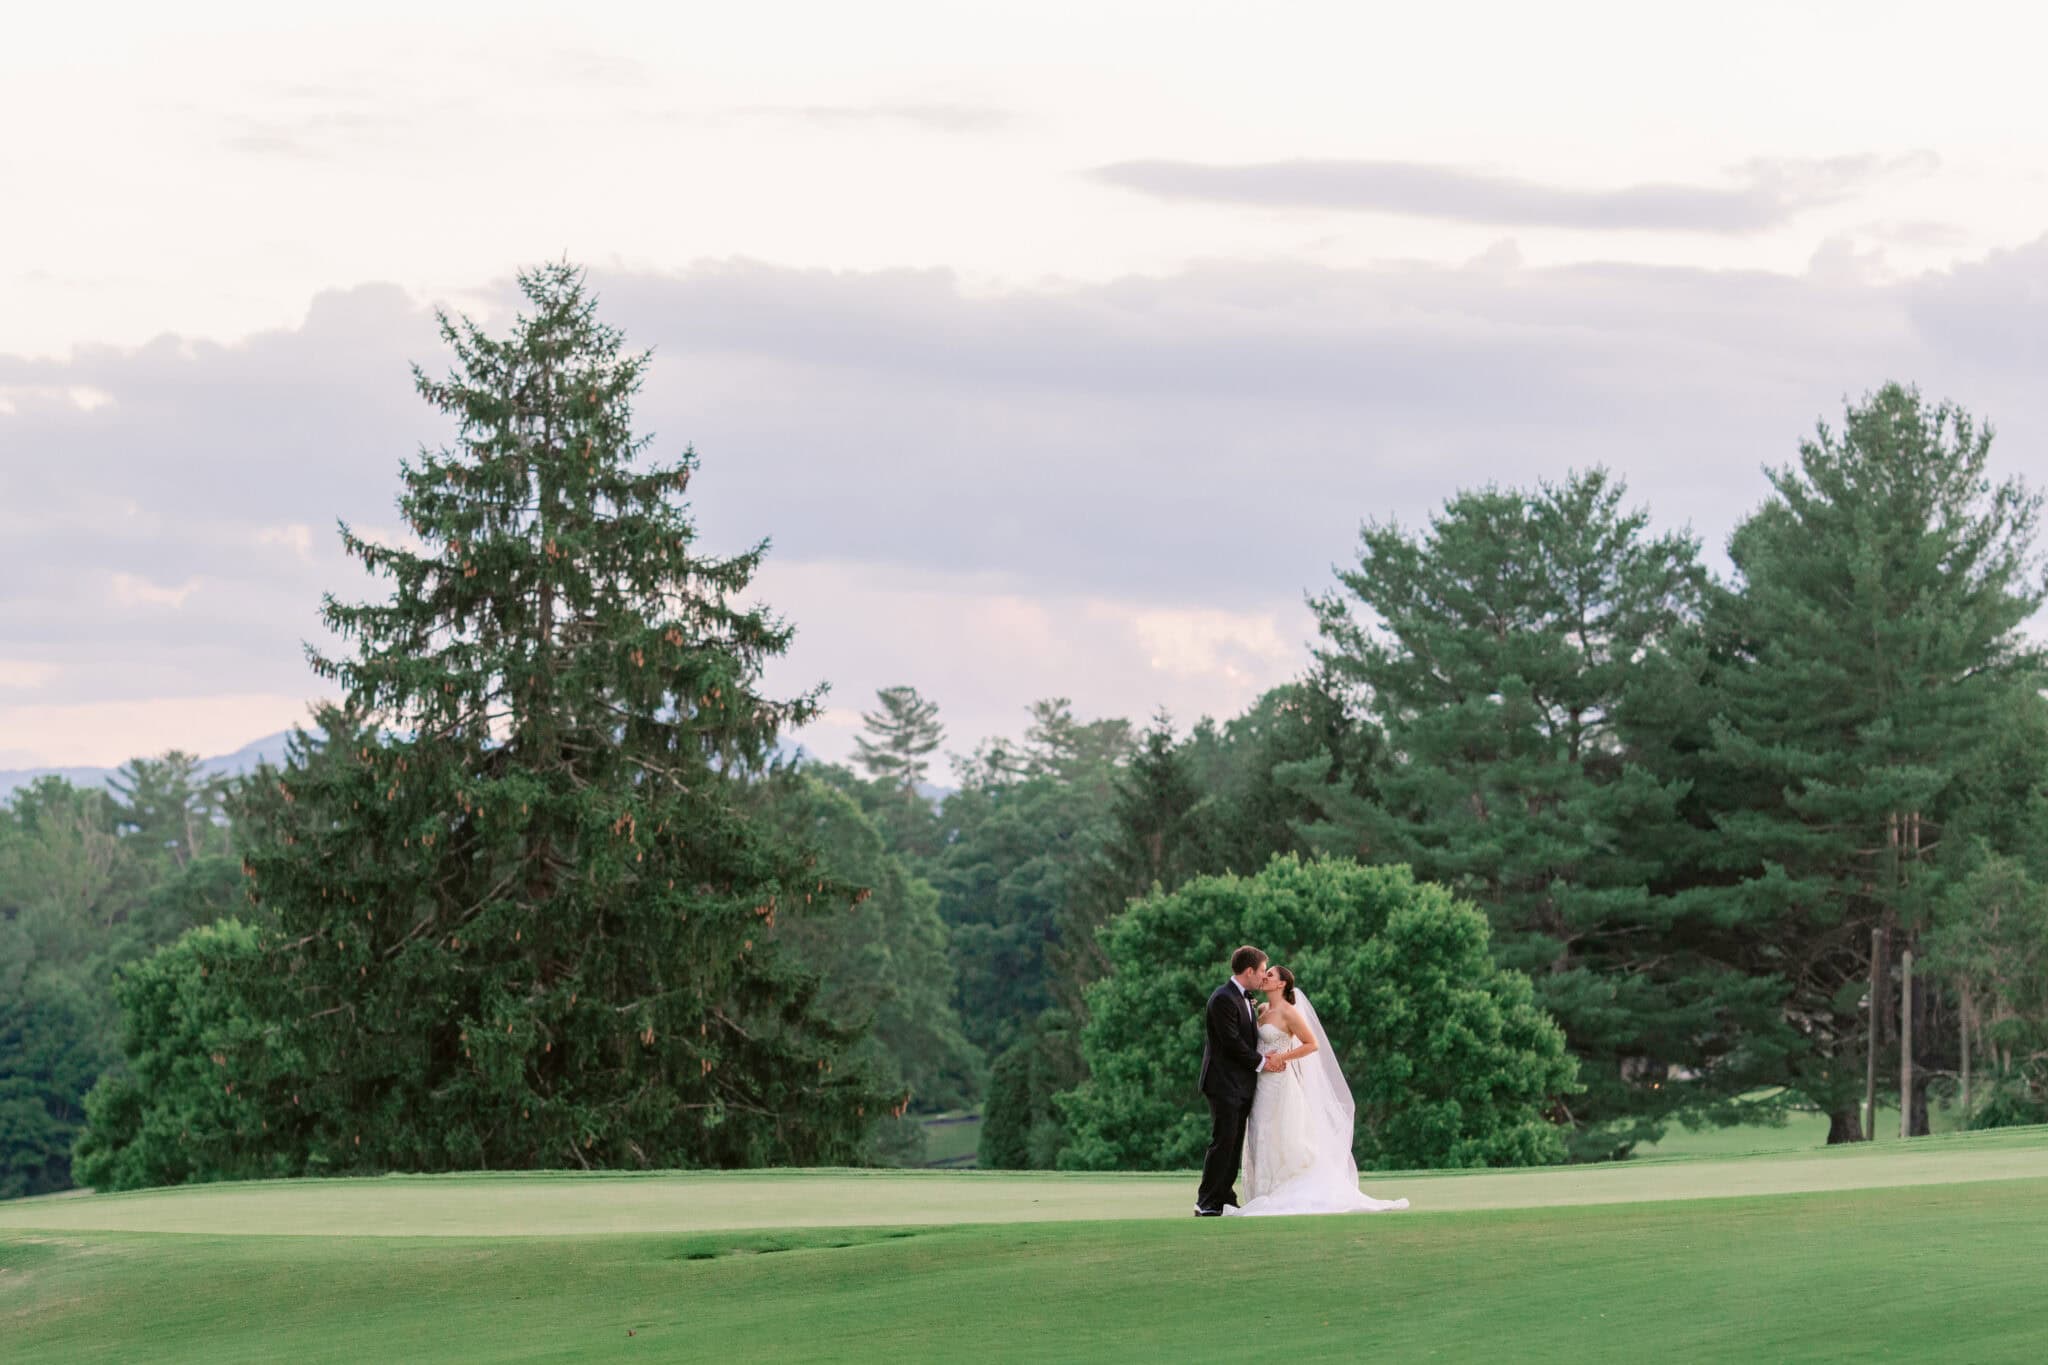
[(1930, 1249)]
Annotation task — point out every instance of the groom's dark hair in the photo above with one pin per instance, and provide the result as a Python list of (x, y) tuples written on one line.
[(1244, 959)]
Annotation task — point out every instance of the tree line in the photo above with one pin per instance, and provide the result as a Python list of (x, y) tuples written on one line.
[(544, 888)]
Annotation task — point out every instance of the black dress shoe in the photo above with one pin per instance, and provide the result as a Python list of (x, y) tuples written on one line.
[(1208, 1213)]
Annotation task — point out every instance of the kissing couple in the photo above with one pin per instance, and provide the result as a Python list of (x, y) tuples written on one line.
[(1278, 1104)]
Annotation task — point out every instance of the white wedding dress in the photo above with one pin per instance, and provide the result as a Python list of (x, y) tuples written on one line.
[(1297, 1146)]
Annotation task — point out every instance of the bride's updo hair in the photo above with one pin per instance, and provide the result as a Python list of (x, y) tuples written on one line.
[(1287, 983)]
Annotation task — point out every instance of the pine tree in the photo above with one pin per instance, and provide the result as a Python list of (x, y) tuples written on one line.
[(1154, 840), (171, 808), (523, 917), (887, 959), (1273, 774), (1497, 653), (1017, 840), (896, 753), (1861, 674), (900, 738)]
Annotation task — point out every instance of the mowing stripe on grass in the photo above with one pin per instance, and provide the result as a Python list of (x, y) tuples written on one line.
[(559, 1204), (1938, 1273)]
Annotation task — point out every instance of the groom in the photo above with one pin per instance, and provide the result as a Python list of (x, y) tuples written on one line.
[(1230, 1077)]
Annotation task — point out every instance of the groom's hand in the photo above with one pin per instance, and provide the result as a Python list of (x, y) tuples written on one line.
[(1275, 1064)]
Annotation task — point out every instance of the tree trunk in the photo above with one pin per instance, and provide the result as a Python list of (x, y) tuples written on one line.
[(1870, 1035), (1963, 1021), (1844, 1125), (1909, 1093)]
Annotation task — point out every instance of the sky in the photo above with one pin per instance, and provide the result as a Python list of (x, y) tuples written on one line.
[(1059, 349)]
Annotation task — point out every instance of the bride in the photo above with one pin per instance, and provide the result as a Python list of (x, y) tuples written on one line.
[(1297, 1147)]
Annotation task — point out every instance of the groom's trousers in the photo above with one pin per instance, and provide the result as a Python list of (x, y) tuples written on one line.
[(1228, 1115)]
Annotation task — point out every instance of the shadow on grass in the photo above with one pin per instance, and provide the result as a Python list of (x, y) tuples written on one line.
[(710, 1246)]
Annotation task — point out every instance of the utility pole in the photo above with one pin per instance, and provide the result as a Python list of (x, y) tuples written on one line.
[(1870, 1059), (1965, 1026), (1906, 1046)]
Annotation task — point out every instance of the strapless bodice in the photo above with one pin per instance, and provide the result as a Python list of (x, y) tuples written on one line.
[(1273, 1038)]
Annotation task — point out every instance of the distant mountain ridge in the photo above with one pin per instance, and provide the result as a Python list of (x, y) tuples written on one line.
[(268, 749), (271, 748)]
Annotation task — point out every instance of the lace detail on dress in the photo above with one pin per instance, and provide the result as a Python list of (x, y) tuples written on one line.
[(1277, 1145)]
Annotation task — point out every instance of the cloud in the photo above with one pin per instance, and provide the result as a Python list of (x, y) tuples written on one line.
[(297, 537), (131, 590), (1764, 193), (935, 116), (1113, 492), (864, 627), (26, 674), (14, 397)]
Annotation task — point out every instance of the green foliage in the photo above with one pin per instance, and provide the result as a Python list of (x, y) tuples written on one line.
[(1019, 839), (1499, 653), (895, 751), (1153, 839), (188, 1104), (172, 810), (87, 883), (521, 905), (1022, 1127), (67, 879), (1990, 942), (1861, 675), (882, 959), (50, 1054), (1450, 1059), (1461, 1063), (1272, 777)]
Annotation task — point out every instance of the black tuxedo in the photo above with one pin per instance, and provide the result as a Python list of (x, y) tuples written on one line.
[(1230, 1077)]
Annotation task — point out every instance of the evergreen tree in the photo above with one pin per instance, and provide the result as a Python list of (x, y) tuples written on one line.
[(885, 960), (526, 918), (1273, 776), (51, 1052), (89, 882), (172, 808), (1857, 678), (896, 754), (1022, 1126), (1497, 653), (1989, 941), (1154, 841), (175, 816), (900, 738), (1017, 841)]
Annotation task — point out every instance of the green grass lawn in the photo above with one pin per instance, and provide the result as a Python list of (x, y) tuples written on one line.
[(951, 1139), (1900, 1251), (1802, 1128)]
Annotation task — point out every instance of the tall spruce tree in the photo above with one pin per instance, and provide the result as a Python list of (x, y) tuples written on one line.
[(900, 737), (1154, 840), (523, 920), (895, 751), (1497, 653), (1860, 676)]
